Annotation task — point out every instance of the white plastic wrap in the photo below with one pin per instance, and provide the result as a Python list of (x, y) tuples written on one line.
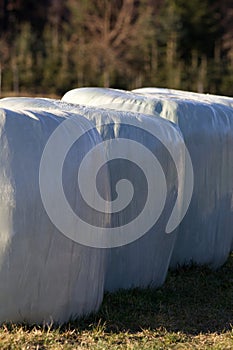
[(206, 121), (45, 276), (22, 103), (180, 94), (144, 261), (37, 262)]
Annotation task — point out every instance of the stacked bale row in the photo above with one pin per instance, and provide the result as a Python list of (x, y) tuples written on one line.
[(55, 270), (206, 122)]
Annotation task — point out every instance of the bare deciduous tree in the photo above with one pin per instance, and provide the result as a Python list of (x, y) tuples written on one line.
[(109, 28)]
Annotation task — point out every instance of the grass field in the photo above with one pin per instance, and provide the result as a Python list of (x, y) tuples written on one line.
[(193, 310)]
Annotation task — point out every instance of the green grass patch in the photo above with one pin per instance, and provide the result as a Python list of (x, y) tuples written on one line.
[(193, 310)]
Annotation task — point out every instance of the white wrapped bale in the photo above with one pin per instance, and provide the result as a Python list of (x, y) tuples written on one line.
[(109, 98), (145, 261), (180, 94), (206, 122), (22, 103), (45, 276)]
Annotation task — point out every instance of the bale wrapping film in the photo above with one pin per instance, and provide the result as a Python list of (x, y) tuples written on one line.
[(144, 261), (206, 122), (45, 276)]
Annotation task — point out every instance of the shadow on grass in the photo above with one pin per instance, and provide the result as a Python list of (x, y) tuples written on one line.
[(192, 300)]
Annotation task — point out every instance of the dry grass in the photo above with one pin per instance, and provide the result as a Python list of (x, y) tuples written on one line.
[(28, 94), (193, 310)]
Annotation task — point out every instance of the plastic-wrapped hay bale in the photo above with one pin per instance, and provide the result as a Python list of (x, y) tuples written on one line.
[(145, 260), (206, 122), (199, 97), (19, 103), (45, 276), (109, 98), (93, 96)]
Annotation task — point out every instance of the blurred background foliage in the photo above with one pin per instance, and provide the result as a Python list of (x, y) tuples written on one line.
[(51, 46)]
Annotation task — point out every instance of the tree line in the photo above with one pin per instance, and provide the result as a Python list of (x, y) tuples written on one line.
[(51, 46)]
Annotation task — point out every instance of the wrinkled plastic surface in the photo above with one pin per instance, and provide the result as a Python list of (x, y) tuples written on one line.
[(146, 260), (44, 275), (212, 115), (206, 122), (143, 262)]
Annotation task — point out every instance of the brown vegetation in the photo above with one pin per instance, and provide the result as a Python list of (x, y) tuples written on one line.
[(52, 46)]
